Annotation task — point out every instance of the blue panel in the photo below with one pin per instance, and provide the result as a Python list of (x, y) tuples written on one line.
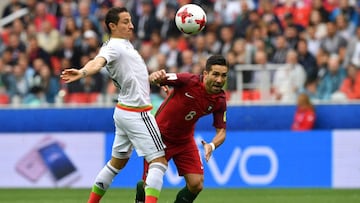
[(253, 159), (280, 117), (244, 118), (303, 159), (56, 120)]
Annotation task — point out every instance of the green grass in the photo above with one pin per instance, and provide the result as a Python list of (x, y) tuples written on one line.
[(167, 196)]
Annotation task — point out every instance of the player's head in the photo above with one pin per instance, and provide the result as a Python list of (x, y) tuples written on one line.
[(118, 22), (215, 74)]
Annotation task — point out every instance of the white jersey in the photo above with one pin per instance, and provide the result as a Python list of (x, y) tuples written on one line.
[(129, 73)]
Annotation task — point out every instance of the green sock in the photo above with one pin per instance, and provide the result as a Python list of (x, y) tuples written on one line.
[(185, 196), (140, 191)]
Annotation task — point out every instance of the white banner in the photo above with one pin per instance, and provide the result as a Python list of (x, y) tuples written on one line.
[(346, 159), (50, 159)]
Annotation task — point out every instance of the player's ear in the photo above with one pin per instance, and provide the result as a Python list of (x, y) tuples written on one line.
[(112, 26)]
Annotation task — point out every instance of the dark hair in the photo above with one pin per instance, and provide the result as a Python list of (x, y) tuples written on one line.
[(215, 60), (112, 16)]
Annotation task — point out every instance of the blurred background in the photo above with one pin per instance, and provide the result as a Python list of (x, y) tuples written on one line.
[(293, 89)]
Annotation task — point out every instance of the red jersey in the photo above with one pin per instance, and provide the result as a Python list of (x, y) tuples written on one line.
[(186, 103), (304, 119)]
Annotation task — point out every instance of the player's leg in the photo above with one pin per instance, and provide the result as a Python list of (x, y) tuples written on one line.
[(105, 177), (140, 190), (121, 152), (189, 165), (194, 185), (154, 179), (145, 136)]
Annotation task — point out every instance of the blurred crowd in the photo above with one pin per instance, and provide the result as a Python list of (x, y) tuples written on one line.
[(315, 43)]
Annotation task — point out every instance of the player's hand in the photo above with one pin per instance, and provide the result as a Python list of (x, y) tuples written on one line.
[(208, 150), (157, 76), (70, 75)]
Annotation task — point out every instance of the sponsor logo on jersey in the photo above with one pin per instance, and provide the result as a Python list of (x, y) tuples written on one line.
[(188, 95)]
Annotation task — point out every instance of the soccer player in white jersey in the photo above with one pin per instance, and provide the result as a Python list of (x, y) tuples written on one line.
[(135, 126)]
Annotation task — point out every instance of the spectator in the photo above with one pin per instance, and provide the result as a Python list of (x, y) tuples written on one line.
[(310, 88), (318, 24), (53, 7), (199, 48), (267, 14), (333, 43), (304, 118), (49, 38), (289, 21), (243, 20), (5, 78), (35, 97), (47, 83), (292, 36), (69, 50), (18, 83), (18, 28), (306, 59), (353, 50), (289, 79), (171, 50), (187, 61), (351, 84), (261, 79), (7, 57), (35, 51), (226, 11), (66, 14), (231, 76), (90, 42), (349, 12), (281, 50), (313, 43), (345, 29), (147, 22), (42, 15), (168, 26), (241, 51), (212, 44), (332, 79), (16, 45), (318, 5), (85, 14), (226, 36)]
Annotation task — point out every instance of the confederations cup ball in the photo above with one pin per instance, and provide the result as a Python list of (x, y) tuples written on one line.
[(190, 19)]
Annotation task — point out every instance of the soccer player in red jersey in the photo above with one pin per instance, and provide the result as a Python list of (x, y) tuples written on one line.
[(191, 97)]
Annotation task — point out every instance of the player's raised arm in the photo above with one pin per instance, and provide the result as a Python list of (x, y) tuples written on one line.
[(90, 68)]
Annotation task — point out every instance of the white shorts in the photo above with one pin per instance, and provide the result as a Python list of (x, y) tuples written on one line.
[(138, 130)]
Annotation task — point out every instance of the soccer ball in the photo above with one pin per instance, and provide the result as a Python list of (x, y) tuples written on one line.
[(190, 19)]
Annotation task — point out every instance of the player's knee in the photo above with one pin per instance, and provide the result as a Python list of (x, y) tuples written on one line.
[(196, 186), (159, 160), (118, 163)]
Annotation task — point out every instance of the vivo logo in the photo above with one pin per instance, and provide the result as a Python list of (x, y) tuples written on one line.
[(236, 163)]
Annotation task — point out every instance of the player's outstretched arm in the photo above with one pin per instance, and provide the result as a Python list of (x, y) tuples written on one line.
[(92, 67)]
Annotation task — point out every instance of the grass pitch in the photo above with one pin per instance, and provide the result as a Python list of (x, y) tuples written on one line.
[(167, 196)]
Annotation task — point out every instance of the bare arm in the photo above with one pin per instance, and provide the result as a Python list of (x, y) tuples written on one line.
[(217, 141), (90, 68)]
